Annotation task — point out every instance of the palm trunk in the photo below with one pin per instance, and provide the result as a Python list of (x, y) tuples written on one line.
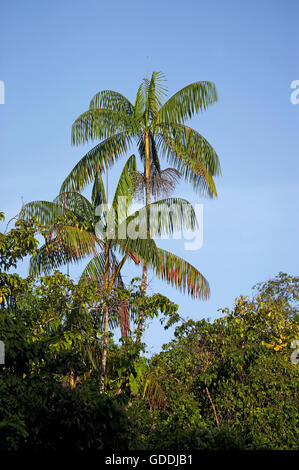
[(106, 308), (106, 319), (147, 169)]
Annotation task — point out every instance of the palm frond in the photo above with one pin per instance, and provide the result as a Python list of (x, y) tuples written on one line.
[(110, 99), (144, 250), (77, 241), (108, 151), (98, 195), (101, 124), (78, 204), (160, 218), (45, 212), (64, 244), (156, 92), (188, 101), (153, 392), (193, 156), (95, 269), (123, 195), (139, 106), (185, 277), (48, 257)]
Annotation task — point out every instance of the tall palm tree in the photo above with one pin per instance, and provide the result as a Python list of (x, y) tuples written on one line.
[(76, 229), (156, 128)]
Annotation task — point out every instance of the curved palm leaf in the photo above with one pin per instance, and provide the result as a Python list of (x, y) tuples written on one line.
[(45, 212), (162, 217), (185, 277), (186, 102), (123, 195), (96, 160), (98, 195), (78, 204), (110, 99), (155, 93), (100, 123), (192, 155), (64, 245)]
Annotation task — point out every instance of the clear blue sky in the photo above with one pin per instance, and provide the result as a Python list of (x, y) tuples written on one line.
[(56, 55)]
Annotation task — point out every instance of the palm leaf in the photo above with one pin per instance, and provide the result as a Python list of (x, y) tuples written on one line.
[(95, 269), (96, 160), (78, 242), (193, 156), (123, 195), (63, 245), (101, 124), (139, 105), (188, 101), (162, 217), (109, 99), (144, 249), (98, 195), (185, 277), (45, 212), (78, 204), (156, 92)]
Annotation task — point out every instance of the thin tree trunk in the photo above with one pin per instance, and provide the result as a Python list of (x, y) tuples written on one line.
[(106, 319), (147, 165), (213, 407)]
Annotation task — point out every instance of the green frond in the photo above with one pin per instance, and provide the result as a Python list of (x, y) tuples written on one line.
[(192, 155), (162, 217), (45, 212), (182, 275), (101, 124), (78, 243), (145, 249), (50, 256), (78, 204), (123, 195), (139, 105), (153, 392), (95, 269), (188, 101), (108, 99), (98, 195), (156, 92), (108, 151)]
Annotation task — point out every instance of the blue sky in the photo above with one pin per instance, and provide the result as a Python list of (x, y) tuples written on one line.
[(56, 55)]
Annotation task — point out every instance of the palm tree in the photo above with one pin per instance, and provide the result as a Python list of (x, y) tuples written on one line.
[(156, 128), (76, 229)]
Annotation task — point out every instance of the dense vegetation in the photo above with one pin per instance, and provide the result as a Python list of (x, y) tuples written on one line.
[(227, 384)]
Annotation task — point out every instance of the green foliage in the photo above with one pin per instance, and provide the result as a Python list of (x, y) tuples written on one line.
[(230, 384), (115, 119), (17, 243), (227, 384)]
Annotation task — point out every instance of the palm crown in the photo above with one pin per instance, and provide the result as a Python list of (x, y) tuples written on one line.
[(77, 229), (156, 128)]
